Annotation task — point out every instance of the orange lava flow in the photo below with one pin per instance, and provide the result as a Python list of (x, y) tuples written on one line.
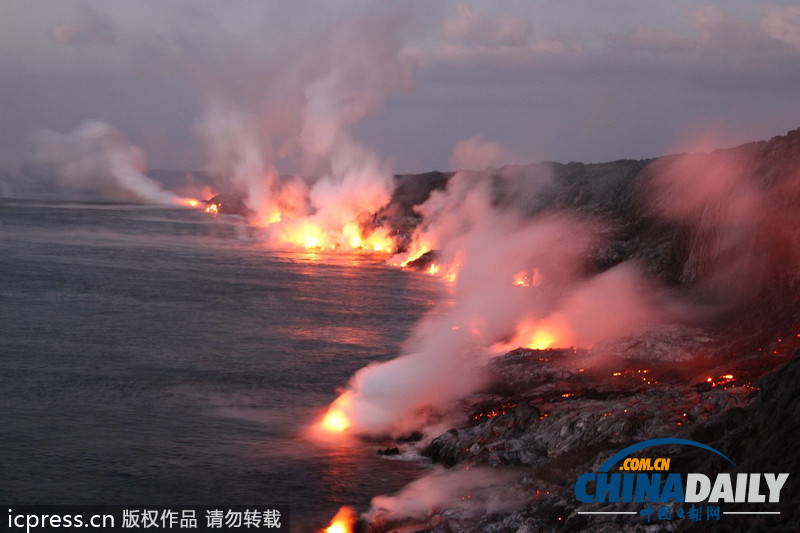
[(307, 234), (542, 335), (335, 419), (343, 522), (721, 380), (540, 339), (416, 249), (188, 202), (524, 279)]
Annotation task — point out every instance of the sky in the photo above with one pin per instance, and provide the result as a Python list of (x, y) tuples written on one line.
[(424, 85)]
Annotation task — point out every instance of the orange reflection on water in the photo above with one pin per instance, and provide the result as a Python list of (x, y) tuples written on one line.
[(333, 334)]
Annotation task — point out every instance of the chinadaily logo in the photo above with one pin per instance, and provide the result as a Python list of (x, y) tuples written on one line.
[(669, 495)]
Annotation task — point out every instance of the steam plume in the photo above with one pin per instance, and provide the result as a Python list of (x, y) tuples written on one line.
[(486, 247), (340, 74), (473, 490), (98, 157)]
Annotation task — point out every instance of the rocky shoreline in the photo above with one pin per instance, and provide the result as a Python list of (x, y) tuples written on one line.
[(731, 382), (551, 423)]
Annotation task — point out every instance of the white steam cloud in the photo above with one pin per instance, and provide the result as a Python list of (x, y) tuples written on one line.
[(530, 280), (518, 281), (95, 156), (473, 491), (339, 74), (477, 153)]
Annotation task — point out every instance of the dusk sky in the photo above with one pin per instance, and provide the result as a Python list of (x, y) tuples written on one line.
[(426, 85)]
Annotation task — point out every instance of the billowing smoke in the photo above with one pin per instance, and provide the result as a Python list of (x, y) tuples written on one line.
[(517, 281), (528, 280), (475, 491), (477, 153), (97, 157), (340, 72), (524, 275)]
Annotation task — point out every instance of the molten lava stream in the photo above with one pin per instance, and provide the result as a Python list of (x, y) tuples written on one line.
[(343, 522), (335, 421), (333, 427), (188, 202)]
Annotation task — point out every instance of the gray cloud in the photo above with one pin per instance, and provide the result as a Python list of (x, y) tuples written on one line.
[(93, 28), (783, 24), (557, 81)]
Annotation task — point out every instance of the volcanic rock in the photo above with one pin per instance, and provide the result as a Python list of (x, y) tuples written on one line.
[(732, 382), (231, 204), (389, 451)]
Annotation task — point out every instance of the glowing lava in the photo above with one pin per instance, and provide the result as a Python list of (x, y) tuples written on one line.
[(540, 339), (641, 373), (212, 209), (417, 249), (343, 522), (542, 335), (188, 202), (721, 380), (336, 420), (307, 234), (523, 279)]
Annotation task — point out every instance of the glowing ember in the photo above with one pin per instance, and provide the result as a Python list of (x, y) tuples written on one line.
[(724, 379), (213, 209), (640, 374), (343, 522), (433, 269), (501, 409)]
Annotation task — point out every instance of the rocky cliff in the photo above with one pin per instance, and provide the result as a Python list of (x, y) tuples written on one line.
[(731, 382)]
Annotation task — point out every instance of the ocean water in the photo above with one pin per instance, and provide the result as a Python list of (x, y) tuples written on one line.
[(164, 357)]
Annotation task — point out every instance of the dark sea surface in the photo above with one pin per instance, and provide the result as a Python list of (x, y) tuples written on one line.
[(164, 357)]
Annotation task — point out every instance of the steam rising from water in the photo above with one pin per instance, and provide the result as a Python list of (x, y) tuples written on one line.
[(485, 246), (472, 489), (529, 281), (96, 156), (517, 279), (339, 75)]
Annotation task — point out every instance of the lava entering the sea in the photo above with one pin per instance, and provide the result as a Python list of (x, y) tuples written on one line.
[(343, 521)]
